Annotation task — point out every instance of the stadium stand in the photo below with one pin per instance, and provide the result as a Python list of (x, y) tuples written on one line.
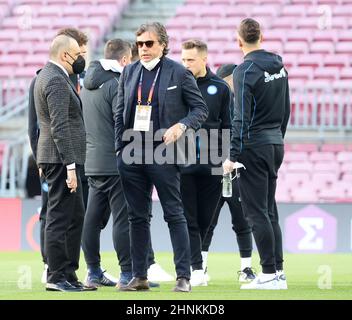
[(28, 26)]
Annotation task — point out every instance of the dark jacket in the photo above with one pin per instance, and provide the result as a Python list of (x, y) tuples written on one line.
[(33, 125), (59, 110), (99, 96), (179, 98), (262, 102), (219, 100)]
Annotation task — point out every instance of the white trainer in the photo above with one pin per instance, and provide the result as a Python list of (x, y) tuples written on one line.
[(282, 280), (259, 283), (157, 274), (206, 275), (44, 274), (198, 278)]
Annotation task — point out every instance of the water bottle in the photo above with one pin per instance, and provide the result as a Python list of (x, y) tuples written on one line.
[(227, 185)]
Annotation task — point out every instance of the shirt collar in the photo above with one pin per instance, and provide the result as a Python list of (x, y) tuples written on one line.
[(60, 66)]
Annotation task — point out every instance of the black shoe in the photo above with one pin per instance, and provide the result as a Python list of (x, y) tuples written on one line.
[(182, 285), (136, 284), (99, 280), (246, 275), (63, 286), (80, 285)]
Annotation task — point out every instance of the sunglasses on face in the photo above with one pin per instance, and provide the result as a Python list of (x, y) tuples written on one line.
[(148, 43)]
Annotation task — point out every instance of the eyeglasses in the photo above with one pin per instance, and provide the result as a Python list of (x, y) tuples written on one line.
[(148, 43)]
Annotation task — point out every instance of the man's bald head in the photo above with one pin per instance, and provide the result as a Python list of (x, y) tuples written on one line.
[(64, 50), (61, 44)]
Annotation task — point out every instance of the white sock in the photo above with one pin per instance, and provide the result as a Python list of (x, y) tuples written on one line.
[(205, 259), (246, 263), (267, 276)]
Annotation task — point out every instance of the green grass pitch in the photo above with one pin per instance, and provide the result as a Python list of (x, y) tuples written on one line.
[(309, 276)]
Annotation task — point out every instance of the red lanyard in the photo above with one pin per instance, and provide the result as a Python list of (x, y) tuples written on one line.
[(151, 91)]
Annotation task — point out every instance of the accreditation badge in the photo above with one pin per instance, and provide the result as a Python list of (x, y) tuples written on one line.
[(142, 117)]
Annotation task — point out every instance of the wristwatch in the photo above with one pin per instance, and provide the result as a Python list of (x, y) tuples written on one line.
[(183, 126)]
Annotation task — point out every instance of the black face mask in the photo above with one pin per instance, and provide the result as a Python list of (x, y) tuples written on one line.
[(78, 65)]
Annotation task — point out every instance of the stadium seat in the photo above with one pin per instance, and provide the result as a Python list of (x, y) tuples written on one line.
[(322, 156), (293, 11), (299, 47), (324, 47), (296, 155), (328, 73), (300, 167), (312, 60), (345, 157), (346, 73), (336, 60), (304, 148)]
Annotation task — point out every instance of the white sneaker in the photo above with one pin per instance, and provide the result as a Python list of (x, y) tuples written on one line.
[(206, 275), (157, 274), (282, 280), (198, 278), (44, 274), (260, 284)]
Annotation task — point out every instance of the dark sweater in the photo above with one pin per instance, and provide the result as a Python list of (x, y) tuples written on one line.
[(262, 102)]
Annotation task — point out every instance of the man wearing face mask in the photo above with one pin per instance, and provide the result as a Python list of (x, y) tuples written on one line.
[(155, 93), (33, 133), (60, 153)]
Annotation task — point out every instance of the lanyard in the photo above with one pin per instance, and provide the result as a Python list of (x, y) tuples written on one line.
[(151, 91)]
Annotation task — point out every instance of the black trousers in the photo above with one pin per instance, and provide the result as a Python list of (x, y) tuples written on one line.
[(105, 197), (43, 210), (257, 189), (137, 182), (42, 217), (200, 196), (240, 224), (85, 187), (64, 222)]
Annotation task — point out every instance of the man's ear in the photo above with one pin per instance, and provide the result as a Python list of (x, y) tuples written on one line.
[(239, 41), (205, 59), (62, 56)]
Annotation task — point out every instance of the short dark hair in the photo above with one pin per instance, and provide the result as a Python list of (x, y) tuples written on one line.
[(159, 30), (195, 43), (79, 36), (249, 30), (135, 55), (115, 49)]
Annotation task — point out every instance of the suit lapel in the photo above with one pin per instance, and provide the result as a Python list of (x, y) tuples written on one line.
[(165, 76), (132, 91), (68, 80), (74, 90)]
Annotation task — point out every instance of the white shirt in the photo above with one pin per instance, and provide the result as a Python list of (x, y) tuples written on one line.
[(60, 66)]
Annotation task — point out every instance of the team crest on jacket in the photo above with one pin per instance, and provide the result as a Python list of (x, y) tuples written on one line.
[(212, 89)]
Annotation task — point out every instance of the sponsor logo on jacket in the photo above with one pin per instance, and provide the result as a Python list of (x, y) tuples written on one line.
[(270, 77)]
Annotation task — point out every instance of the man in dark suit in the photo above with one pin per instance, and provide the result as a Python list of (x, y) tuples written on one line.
[(155, 93), (61, 150), (33, 133)]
